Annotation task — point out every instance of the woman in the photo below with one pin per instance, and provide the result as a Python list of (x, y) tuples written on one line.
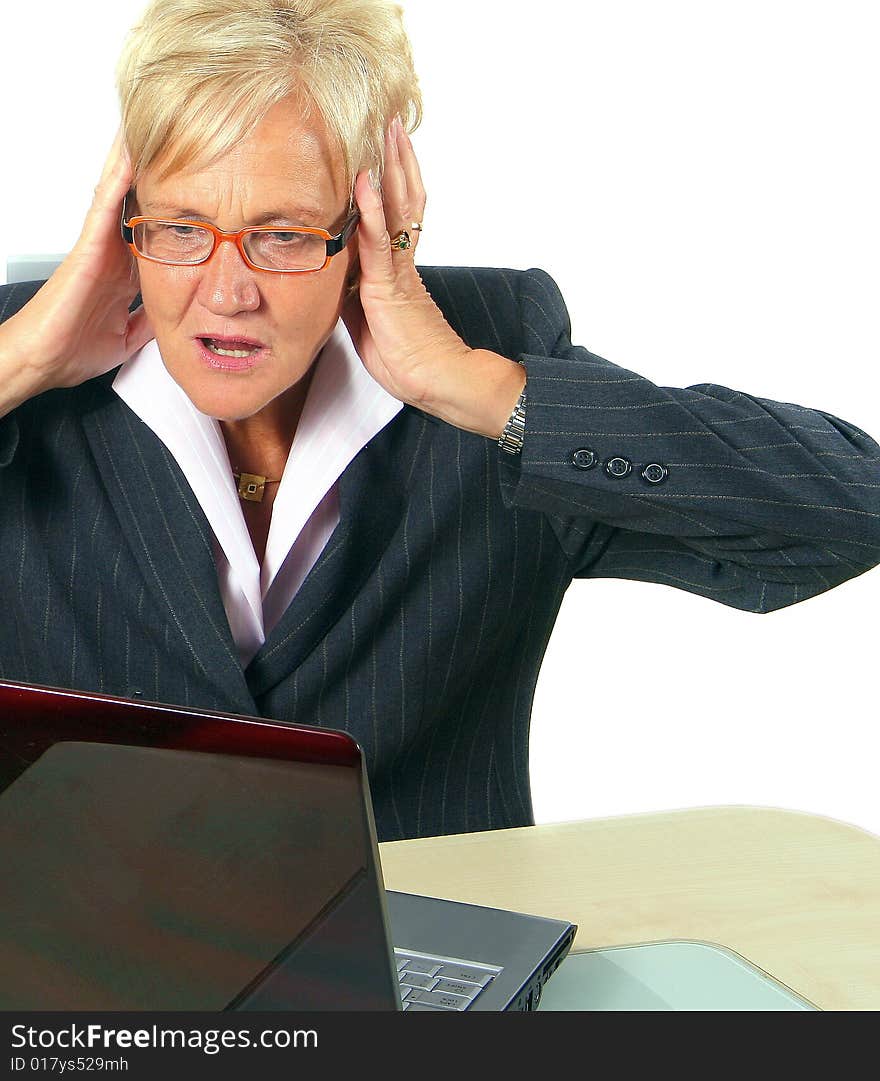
[(290, 501)]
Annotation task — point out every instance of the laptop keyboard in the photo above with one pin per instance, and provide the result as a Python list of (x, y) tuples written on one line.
[(440, 983)]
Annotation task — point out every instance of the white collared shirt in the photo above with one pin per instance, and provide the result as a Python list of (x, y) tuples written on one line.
[(344, 408)]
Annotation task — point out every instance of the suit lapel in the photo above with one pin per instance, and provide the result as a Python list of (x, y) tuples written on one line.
[(373, 495), (170, 539)]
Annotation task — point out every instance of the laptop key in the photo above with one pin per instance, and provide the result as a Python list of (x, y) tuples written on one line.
[(454, 987), (440, 998), (462, 972), (429, 968), (416, 979)]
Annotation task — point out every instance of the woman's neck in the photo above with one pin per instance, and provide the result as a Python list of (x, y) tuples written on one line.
[(260, 445)]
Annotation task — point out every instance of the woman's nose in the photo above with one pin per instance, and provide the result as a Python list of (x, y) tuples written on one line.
[(228, 285)]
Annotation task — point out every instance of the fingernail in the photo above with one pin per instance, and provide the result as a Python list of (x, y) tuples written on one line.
[(375, 180)]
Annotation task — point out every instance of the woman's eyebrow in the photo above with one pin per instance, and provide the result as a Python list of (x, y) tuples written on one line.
[(288, 215)]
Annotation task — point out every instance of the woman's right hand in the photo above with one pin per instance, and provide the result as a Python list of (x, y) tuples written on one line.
[(78, 325)]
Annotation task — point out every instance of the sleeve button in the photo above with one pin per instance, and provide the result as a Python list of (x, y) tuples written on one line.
[(618, 467), (583, 458), (655, 473)]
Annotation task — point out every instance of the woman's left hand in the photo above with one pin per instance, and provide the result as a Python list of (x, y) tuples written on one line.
[(400, 334)]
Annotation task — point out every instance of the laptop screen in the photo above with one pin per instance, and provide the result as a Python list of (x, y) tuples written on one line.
[(238, 875)]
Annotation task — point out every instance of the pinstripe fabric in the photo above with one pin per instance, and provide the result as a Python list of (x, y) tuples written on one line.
[(422, 627)]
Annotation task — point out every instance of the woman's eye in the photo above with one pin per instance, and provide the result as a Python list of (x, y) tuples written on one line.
[(182, 230), (283, 238)]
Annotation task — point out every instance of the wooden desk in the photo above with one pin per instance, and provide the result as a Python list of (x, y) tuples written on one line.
[(796, 894)]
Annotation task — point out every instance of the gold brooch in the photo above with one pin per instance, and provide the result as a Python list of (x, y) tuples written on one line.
[(251, 486)]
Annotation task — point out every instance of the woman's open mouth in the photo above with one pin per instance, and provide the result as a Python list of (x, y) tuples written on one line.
[(230, 354)]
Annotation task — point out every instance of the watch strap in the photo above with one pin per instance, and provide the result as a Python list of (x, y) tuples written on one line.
[(513, 436)]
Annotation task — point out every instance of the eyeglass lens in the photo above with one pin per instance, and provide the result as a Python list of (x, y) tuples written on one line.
[(190, 244)]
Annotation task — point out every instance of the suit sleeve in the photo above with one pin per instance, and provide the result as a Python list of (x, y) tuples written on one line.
[(754, 503)]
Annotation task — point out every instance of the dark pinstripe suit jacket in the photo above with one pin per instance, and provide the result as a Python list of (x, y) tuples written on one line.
[(422, 627)]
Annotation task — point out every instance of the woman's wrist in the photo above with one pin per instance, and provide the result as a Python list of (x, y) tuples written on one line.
[(19, 378), (481, 394)]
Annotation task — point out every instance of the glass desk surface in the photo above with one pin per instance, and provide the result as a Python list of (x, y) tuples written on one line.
[(672, 975)]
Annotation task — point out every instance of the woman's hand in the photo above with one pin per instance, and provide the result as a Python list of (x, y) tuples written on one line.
[(399, 332), (78, 324)]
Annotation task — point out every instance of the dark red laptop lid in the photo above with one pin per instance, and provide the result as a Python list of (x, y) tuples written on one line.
[(165, 858)]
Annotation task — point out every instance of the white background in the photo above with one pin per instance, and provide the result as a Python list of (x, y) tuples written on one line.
[(701, 178)]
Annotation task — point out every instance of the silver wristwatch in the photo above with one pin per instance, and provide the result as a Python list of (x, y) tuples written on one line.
[(514, 432)]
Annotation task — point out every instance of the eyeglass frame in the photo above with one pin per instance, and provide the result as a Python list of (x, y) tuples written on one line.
[(334, 244)]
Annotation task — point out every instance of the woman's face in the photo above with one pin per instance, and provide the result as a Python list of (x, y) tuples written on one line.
[(284, 173)]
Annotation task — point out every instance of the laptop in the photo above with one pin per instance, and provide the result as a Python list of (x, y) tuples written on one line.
[(162, 858)]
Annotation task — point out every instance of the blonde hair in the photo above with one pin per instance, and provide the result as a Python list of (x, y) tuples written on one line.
[(196, 76)]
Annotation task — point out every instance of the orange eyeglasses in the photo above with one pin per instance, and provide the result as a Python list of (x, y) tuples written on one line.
[(178, 242)]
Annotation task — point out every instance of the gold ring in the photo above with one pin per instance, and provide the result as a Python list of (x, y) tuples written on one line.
[(416, 227), (401, 241)]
